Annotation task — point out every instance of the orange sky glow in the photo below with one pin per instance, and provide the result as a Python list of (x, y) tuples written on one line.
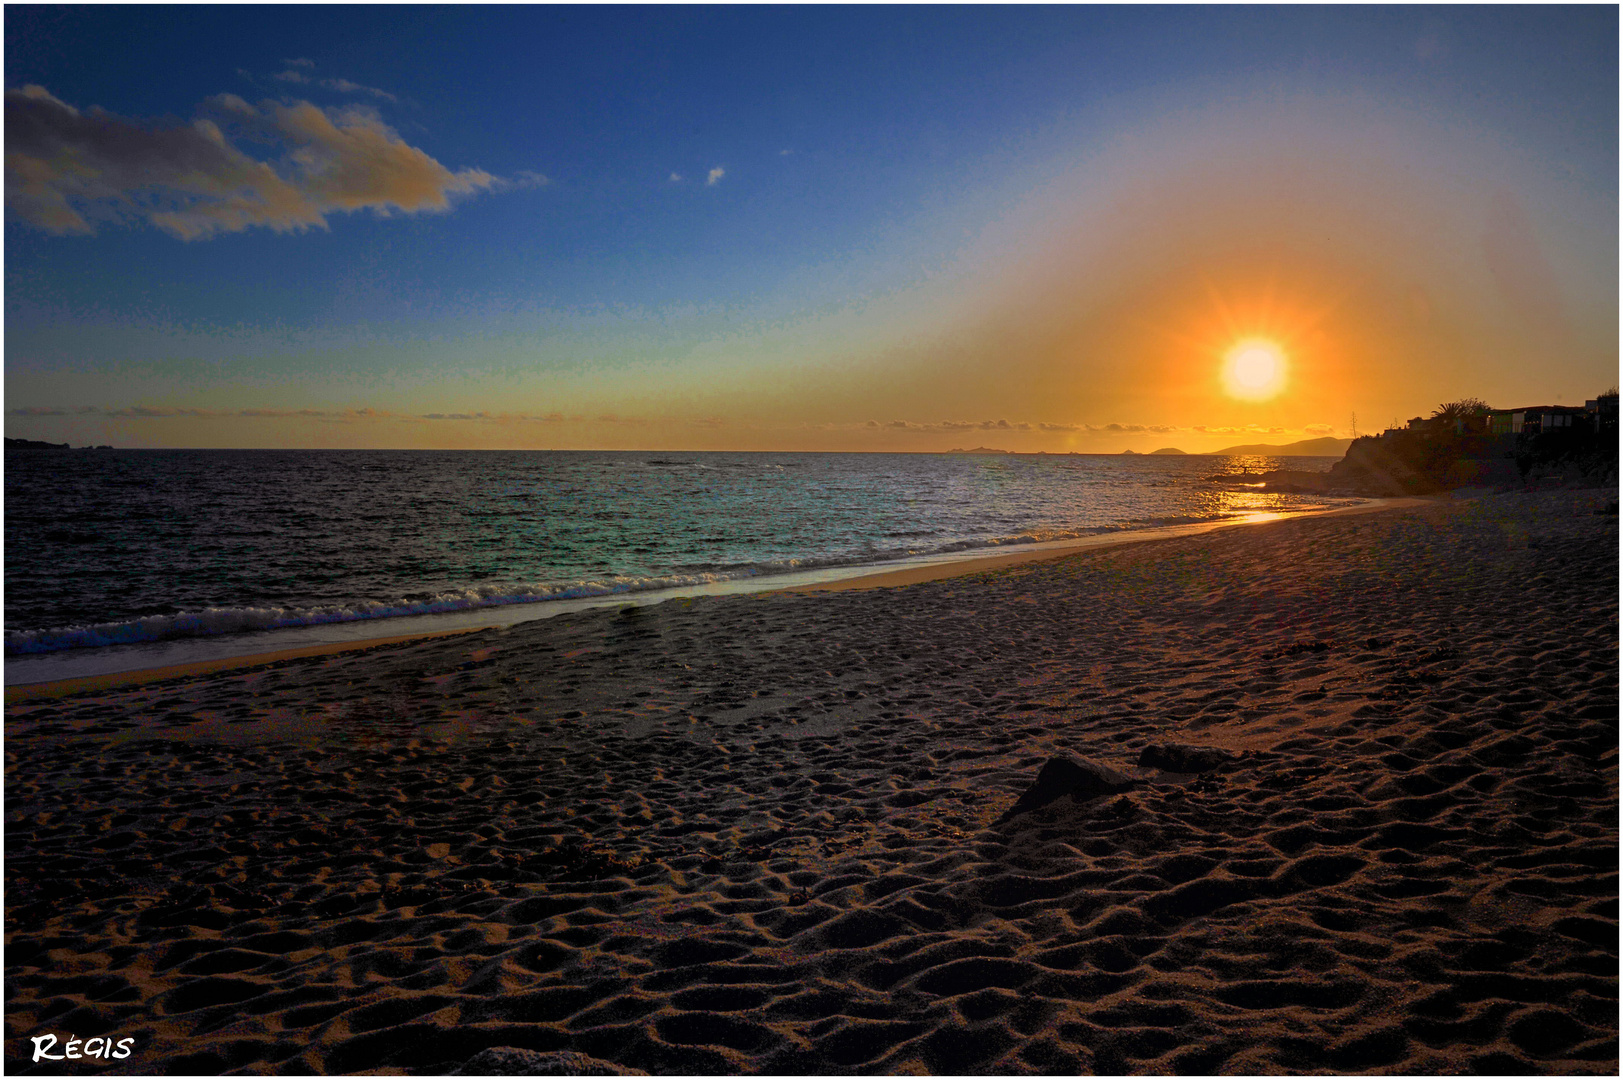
[(1085, 299)]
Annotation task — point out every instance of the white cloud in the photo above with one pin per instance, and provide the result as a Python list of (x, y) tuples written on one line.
[(233, 103), (676, 178), (344, 86), (715, 176), (520, 181), (193, 182)]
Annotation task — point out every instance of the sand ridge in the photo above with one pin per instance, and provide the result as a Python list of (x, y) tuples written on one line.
[(760, 833)]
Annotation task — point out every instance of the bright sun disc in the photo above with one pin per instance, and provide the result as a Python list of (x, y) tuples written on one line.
[(1254, 370)]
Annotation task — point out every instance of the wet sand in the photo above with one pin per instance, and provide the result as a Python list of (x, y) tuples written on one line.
[(119, 679), (1371, 825)]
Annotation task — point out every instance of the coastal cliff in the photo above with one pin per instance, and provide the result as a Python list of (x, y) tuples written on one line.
[(1435, 456)]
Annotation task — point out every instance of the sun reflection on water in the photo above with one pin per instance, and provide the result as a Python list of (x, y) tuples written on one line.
[(1249, 503)]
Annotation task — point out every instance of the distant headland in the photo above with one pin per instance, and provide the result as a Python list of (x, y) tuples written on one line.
[(1329, 446), (37, 444)]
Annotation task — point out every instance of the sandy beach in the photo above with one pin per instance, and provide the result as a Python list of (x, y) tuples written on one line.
[(1335, 794)]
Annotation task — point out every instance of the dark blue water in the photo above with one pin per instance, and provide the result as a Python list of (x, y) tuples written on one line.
[(113, 547)]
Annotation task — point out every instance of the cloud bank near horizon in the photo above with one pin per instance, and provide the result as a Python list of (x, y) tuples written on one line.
[(911, 427), (68, 169)]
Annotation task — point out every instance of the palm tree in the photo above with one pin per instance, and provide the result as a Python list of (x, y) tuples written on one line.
[(1452, 412)]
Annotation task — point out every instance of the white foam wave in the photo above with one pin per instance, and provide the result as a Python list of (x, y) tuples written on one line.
[(213, 621)]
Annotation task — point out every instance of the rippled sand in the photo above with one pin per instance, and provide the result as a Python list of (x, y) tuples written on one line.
[(762, 833)]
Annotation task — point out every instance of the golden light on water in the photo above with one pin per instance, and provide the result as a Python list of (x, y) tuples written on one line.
[(1254, 370)]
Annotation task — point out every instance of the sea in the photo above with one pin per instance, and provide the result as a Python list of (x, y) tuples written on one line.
[(119, 560)]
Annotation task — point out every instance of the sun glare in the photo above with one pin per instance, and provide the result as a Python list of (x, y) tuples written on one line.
[(1254, 370)]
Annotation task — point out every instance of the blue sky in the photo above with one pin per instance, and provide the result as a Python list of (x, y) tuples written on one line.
[(803, 228)]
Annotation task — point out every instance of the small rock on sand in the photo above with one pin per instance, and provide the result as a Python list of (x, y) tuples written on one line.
[(1184, 758), (516, 1061), (1067, 774)]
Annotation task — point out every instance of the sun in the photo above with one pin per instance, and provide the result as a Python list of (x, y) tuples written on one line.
[(1254, 370)]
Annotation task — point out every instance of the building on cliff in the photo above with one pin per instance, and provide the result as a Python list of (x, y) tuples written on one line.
[(1533, 419)]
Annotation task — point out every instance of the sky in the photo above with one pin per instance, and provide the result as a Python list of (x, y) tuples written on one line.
[(801, 228)]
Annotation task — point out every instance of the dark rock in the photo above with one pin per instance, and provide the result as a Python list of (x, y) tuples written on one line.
[(515, 1061), (1067, 774), (1184, 758), (1297, 648)]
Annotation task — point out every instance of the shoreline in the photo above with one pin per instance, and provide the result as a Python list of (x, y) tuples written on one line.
[(1341, 808), (56, 688), (981, 564), (878, 579)]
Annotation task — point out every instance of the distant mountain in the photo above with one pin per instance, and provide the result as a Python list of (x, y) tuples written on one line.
[(1168, 450), (34, 444), (977, 450), (1329, 446)]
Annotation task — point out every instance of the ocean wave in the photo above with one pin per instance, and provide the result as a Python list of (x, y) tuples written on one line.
[(215, 621), (237, 620)]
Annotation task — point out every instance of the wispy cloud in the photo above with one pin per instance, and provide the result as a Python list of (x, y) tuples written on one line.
[(1131, 429), (193, 182), (1249, 429), (936, 426), (146, 412), (676, 178), (910, 427), (1005, 425), (160, 412), (343, 86), (524, 179), (505, 418), (715, 176), (154, 412)]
